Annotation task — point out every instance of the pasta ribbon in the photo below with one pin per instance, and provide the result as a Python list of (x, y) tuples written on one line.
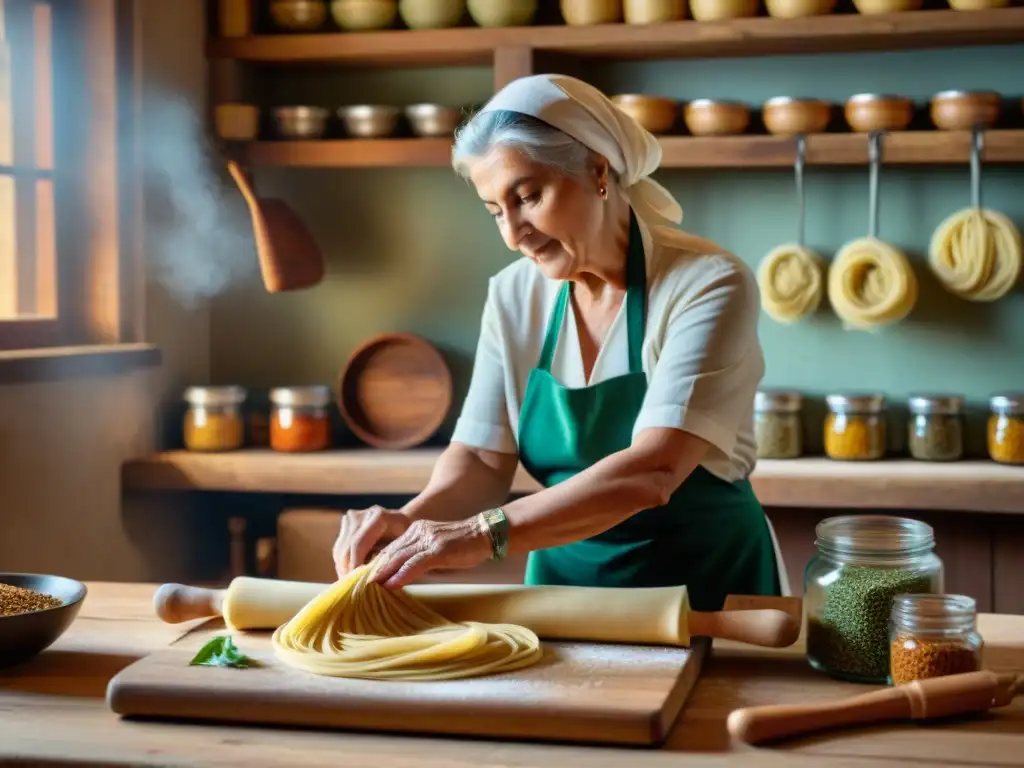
[(358, 629), (791, 279), (976, 254), (871, 284)]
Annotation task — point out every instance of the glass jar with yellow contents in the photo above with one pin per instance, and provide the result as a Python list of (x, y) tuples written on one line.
[(855, 427), (213, 420), (1006, 428)]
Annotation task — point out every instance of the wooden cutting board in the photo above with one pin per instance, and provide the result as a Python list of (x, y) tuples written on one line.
[(579, 692)]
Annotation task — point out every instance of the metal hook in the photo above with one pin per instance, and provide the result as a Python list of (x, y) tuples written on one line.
[(977, 146), (875, 160), (801, 159)]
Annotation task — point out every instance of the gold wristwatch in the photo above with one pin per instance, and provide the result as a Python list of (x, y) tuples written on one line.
[(496, 525)]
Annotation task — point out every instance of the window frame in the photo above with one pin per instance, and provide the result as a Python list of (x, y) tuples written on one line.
[(97, 187)]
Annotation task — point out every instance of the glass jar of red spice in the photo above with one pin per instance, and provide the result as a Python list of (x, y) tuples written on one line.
[(299, 421), (933, 636)]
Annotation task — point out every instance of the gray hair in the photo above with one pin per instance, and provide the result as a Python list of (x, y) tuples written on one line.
[(539, 141)]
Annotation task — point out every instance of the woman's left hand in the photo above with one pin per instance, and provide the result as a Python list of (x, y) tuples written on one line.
[(428, 545)]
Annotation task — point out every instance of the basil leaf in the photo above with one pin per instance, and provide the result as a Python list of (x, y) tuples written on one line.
[(221, 652)]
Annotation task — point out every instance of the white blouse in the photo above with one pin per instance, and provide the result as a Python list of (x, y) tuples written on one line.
[(701, 352)]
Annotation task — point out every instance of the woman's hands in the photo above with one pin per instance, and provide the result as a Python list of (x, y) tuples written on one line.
[(361, 531), (427, 545), (415, 547)]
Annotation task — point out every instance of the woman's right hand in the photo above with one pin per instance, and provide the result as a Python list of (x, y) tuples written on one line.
[(362, 530)]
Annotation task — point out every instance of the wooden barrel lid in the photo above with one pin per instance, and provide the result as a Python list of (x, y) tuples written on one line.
[(395, 391)]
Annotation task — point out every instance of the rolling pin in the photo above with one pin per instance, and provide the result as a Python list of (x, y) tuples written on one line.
[(654, 616), (935, 697)]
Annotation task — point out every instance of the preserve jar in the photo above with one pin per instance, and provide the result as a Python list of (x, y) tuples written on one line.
[(298, 419), (213, 418), (935, 430), (862, 562), (1006, 428), (777, 426), (855, 427), (933, 636)]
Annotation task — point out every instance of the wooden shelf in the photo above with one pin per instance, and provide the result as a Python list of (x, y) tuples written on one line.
[(753, 151), (971, 486), (680, 39)]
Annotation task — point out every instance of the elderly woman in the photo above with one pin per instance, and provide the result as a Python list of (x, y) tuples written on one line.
[(617, 361)]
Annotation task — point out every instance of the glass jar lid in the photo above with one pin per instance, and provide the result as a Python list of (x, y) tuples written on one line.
[(214, 396), (927, 404), (777, 401), (855, 403), (316, 396), (934, 612), (874, 535), (1007, 404)]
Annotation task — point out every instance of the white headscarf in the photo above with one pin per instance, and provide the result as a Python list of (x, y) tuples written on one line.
[(590, 117)]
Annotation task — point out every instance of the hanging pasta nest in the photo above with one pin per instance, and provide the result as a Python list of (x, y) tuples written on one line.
[(357, 628), (871, 284), (791, 281), (976, 254)]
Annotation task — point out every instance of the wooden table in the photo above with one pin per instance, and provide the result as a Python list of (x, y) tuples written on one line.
[(52, 710)]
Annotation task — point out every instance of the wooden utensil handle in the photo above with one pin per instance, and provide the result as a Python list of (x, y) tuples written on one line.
[(175, 603), (768, 627)]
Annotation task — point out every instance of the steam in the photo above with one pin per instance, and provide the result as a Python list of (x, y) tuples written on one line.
[(199, 235)]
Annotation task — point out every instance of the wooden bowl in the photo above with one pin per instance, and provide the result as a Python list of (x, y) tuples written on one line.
[(655, 113), (793, 9), (718, 10), (653, 11), (503, 13), (787, 116), (395, 391), (872, 7), (298, 15), (581, 13), (964, 110), (708, 117), (868, 112)]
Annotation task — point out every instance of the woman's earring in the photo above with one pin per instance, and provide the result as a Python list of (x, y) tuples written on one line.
[(603, 192)]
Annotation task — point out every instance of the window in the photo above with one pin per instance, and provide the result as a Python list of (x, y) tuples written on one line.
[(66, 184)]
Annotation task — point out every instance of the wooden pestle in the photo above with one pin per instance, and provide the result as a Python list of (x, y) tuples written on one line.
[(657, 615), (289, 257), (920, 700)]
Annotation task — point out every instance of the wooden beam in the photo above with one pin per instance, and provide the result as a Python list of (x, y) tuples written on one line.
[(511, 64)]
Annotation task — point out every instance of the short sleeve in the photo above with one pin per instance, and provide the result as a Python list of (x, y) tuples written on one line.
[(710, 362), (484, 422)]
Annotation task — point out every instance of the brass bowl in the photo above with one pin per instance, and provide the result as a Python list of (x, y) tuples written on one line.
[(788, 116), (868, 112), (711, 117), (965, 110), (431, 14), (657, 114), (298, 15), (369, 121), (433, 120), (502, 13), (301, 122), (364, 15)]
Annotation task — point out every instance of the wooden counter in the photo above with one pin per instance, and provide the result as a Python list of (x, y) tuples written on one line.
[(978, 486), (53, 711)]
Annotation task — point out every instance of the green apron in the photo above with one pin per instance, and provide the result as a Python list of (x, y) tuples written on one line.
[(712, 535)]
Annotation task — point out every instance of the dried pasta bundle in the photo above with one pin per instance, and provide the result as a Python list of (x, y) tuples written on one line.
[(871, 284), (976, 254), (791, 280), (359, 629)]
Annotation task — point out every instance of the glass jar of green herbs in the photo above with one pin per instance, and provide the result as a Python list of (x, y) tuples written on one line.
[(935, 431), (862, 563), (777, 427)]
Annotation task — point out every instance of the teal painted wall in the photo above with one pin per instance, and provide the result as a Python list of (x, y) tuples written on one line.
[(412, 249)]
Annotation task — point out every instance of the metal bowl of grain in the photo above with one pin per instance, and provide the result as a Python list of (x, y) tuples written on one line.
[(35, 609)]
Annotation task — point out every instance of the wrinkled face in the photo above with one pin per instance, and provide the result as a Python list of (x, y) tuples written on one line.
[(551, 219)]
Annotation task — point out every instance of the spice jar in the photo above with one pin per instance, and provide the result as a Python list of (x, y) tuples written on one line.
[(299, 420), (861, 564), (935, 431), (1006, 429), (933, 636), (213, 419), (777, 427), (855, 427)]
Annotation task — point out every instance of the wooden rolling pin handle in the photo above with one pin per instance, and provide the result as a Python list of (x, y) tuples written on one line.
[(768, 627), (175, 603)]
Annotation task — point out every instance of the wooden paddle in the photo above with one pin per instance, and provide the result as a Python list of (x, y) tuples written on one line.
[(290, 258)]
